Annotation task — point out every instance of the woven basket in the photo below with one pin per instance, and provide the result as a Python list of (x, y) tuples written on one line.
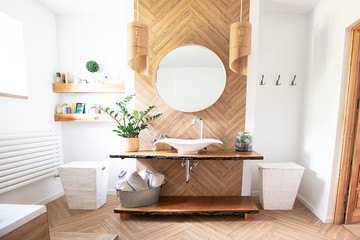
[(279, 184), (130, 144), (85, 183)]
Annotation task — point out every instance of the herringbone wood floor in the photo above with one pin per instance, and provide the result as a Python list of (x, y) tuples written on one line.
[(299, 223)]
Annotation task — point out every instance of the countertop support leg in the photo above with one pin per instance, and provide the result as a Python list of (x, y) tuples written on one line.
[(124, 216)]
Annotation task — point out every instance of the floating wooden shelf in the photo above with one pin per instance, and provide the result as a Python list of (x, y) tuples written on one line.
[(89, 88), (64, 117), (195, 205)]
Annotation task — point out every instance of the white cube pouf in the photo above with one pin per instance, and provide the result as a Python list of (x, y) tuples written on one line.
[(85, 183), (279, 184)]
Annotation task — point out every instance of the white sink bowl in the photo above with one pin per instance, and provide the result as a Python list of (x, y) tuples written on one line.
[(188, 146)]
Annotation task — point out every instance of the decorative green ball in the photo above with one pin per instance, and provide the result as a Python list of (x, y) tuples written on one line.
[(92, 66)]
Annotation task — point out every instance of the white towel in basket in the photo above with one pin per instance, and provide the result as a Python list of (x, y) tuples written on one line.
[(124, 186), (145, 174), (136, 182), (156, 179)]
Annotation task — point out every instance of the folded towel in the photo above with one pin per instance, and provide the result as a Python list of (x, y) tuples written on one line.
[(156, 179), (145, 174), (136, 182), (124, 186)]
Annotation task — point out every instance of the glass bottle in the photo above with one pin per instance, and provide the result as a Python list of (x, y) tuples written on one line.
[(57, 77), (243, 142)]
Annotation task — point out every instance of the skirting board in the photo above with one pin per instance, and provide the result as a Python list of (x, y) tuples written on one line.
[(254, 193), (324, 219), (51, 198), (308, 205), (111, 192)]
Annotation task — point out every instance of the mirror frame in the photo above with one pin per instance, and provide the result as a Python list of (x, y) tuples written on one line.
[(156, 68)]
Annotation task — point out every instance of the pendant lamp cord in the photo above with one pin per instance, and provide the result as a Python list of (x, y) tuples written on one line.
[(241, 10), (137, 10)]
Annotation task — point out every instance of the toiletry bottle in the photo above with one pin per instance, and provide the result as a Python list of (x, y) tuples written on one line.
[(73, 108), (68, 77), (58, 77), (64, 108), (67, 80), (63, 80), (154, 141)]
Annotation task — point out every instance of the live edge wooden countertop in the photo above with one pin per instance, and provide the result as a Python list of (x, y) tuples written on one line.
[(204, 155)]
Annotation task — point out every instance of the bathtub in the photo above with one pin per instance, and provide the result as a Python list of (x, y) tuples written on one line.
[(14, 216)]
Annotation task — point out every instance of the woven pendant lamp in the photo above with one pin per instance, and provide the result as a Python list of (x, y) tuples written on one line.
[(138, 45), (240, 45)]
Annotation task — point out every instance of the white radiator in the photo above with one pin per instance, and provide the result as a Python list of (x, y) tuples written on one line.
[(27, 158)]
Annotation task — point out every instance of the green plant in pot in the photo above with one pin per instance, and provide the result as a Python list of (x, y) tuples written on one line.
[(130, 124), (92, 67), (243, 142)]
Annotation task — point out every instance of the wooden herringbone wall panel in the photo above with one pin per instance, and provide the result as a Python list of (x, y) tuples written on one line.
[(206, 23), (208, 178)]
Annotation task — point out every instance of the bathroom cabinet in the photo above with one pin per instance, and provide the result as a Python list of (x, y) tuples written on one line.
[(191, 205), (86, 88)]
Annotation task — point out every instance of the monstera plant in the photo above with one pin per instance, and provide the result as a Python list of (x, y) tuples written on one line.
[(130, 124)]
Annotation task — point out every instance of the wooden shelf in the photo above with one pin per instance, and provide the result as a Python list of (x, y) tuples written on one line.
[(89, 88), (63, 117), (195, 205)]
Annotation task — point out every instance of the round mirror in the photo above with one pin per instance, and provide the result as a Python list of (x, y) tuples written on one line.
[(190, 78)]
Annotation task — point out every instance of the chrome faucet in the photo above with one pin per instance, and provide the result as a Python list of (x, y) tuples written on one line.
[(201, 125)]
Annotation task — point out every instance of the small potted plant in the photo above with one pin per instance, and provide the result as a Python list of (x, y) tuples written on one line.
[(243, 142), (92, 67), (130, 124)]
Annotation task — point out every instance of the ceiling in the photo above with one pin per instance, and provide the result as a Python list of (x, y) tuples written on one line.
[(70, 7), (287, 6)]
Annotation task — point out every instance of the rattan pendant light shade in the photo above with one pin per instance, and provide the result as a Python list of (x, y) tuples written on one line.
[(138, 45), (240, 45)]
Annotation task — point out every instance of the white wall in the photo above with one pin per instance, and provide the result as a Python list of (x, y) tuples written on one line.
[(101, 38), (281, 51), (251, 90), (36, 113), (324, 102)]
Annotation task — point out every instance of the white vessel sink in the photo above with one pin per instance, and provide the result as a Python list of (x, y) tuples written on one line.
[(188, 146)]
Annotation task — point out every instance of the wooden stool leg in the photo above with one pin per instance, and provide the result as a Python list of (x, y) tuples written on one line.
[(249, 216), (124, 216)]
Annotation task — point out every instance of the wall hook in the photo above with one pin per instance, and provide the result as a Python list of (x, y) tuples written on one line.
[(278, 81), (262, 80), (293, 83)]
